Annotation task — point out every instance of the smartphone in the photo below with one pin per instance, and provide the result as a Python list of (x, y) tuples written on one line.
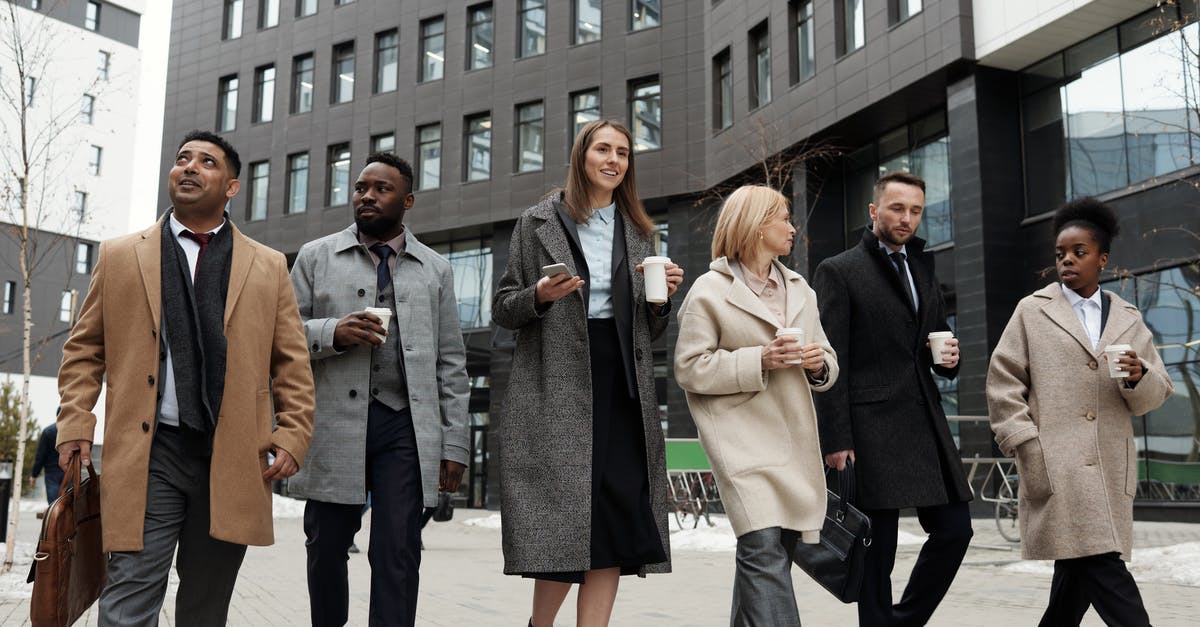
[(555, 269)]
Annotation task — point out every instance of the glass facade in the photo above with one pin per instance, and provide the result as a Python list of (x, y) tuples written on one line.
[(260, 178), (91, 16), (533, 28), (1168, 438), (645, 115), (530, 132), (387, 61), (644, 14), (471, 262), (264, 94), (83, 258), (723, 84), (343, 73), (585, 108), (478, 148), (302, 83), (804, 56), (306, 7), (297, 183), (760, 65), (587, 21), (429, 157), (338, 192), (268, 16), (433, 48), (1111, 111), (227, 108), (903, 9), (853, 25), (480, 37), (384, 142), (231, 27)]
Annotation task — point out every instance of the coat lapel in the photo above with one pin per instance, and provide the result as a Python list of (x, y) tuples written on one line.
[(1121, 316), (739, 294), (553, 234), (1059, 310), (149, 257), (796, 297), (239, 269)]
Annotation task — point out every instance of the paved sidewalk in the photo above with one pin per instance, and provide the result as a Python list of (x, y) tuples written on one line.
[(462, 585)]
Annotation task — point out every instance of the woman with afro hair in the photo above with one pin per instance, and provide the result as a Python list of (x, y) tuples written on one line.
[(1054, 404)]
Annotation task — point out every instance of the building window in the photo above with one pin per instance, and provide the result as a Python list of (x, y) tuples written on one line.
[(305, 8), (297, 183), (853, 25), (644, 14), (94, 160), (530, 131), (338, 192), (260, 179), (645, 114), (433, 48), (804, 54), (264, 94), (760, 65), (385, 142), (91, 17), (722, 91), (232, 23), (104, 62), (478, 147), (79, 205), (1165, 438), (585, 107), (268, 14), (30, 89), (227, 104), (900, 10), (587, 21), (387, 63), (1114, 110), (87, 109), (479, 36), (66, 305), (343, 73), (533, 28), (10, 297), (302, 83), (429, 156), (471, 265), (35, 4), (341, 3), (83, 258)]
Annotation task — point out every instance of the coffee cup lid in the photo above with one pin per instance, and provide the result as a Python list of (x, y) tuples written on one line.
[(378, 310), (1118, 347), (941, 334), (655, 259), (789, 331)]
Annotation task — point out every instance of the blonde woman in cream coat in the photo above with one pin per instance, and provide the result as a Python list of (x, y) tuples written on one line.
[(750, 394)]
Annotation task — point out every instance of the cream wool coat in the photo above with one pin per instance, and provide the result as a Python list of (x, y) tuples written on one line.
[(759, 429), (1053, 404)]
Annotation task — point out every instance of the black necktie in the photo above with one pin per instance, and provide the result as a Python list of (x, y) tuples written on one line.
[(383, 251), (898, 259), (202, 239)]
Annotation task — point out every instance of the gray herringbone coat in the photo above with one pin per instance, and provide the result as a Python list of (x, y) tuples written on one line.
[(546, 443), (334, 276)]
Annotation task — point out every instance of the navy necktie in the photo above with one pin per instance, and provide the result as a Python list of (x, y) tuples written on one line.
[(383, 251), (898, 259)]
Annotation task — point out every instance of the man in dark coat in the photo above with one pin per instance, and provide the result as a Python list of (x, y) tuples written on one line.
[(879, 301), (47, 460)]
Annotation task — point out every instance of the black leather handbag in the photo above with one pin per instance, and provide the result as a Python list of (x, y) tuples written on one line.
[(445, 508), (837, 562)]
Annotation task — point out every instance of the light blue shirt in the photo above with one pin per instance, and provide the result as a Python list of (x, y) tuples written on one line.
[(168, 407), (912, 287), (1088, 311), (596, 239)]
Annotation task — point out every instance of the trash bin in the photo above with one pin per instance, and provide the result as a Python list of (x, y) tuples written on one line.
[(6, 477)]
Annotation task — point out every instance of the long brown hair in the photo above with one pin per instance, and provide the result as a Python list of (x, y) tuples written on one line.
[(575, 195)]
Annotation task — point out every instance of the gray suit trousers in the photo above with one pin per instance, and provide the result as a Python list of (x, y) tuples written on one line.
[(762, 586), (176, 515)]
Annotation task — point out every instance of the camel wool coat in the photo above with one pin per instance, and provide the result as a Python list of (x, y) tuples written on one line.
[(758, 428), (268, 396), (1053, 405)]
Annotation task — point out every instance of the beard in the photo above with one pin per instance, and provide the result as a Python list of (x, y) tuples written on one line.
[(378, 226), (889, 236)]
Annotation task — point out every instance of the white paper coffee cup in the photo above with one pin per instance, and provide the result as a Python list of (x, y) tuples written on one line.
[(937, 342), (795, 332), (1112, 353), (385, 315), (654, 270)]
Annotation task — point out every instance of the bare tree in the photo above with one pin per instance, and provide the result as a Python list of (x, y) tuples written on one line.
[(35, 122)]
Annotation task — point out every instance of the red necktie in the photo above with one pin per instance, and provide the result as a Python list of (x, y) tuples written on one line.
[(202, 239)]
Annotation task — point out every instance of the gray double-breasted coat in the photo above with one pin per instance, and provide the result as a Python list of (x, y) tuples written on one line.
[(334, 276), (546, 433)]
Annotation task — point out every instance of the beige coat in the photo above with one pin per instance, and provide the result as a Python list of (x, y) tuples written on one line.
[(758, 428), (1053, 404), (116, 338)]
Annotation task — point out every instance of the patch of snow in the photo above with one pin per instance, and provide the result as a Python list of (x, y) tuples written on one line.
[(718, 538), (904, 537), (285, 507), (12, 584), (1177, 564), (491, 521)]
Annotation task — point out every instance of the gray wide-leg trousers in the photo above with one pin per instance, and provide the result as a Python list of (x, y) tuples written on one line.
[(762, 586)]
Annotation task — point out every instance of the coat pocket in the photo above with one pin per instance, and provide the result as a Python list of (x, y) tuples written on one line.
[(1131, 468), (1031, 468), (871, 394)]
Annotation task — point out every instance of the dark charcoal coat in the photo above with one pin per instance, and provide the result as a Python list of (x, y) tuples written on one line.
[(885, 405), (545, 436)]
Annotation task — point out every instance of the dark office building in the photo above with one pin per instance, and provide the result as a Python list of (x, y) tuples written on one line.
[(821, 96)]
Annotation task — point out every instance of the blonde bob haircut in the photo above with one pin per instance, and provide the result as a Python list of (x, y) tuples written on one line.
[(742, 218)]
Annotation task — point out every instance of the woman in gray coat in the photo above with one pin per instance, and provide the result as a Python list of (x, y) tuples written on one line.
[(583, 474)]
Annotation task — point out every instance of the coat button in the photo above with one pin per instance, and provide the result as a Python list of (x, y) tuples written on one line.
[(637, 354), (1093, 365), (316, 347), (150, 379), (353, 393), (145, 427), (153, 333), (362, 292), (383, 299), (376, 367), (375, 391), (1091, 415)]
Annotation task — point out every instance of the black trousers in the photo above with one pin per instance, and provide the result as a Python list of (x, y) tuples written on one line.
[(949, 529), (1101, 581), (394, 479)]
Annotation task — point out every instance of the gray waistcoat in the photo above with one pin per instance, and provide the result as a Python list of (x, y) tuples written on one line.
[(388, 385)]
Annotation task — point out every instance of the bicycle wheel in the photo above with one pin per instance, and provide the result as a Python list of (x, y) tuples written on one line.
[(1007, 520)]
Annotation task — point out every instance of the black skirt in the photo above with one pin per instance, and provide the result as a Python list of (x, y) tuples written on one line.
[(624, 533)]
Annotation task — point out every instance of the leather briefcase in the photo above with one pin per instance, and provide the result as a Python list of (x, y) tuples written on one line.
[(837, 563), (70, 566)]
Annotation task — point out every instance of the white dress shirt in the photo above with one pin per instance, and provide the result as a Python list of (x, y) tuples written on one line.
[(168, 407), (912, 287), (1088, 312)]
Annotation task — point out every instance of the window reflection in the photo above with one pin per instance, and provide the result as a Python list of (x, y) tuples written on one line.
[(471, 262)]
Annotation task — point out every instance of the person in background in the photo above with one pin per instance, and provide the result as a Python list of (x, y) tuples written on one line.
[(750, 393), (1054, 405), (47, 460)]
